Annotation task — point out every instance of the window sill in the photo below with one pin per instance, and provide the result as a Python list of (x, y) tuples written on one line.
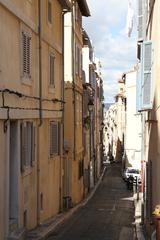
[(51, 89), (26, 81), (27, 171)]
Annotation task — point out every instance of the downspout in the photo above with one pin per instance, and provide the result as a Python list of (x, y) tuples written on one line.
[(73, 75), (62, 104), (40, 59), (40, 108)]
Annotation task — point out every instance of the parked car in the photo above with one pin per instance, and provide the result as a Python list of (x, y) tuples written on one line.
[(135, 173)]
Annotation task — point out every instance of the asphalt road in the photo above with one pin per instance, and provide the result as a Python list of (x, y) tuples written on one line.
[(109, 215)]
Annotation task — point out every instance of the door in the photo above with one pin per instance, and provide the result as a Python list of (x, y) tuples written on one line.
[(13, 177)]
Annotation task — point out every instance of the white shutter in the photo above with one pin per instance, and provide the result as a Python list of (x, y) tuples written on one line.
[(141, 26), (139, 89), (147, 75)]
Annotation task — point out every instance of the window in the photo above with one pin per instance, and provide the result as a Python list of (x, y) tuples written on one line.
[(80, 169), (141, 25), (54, 138), (49, 11), (27, 134), (78, 61), (144, 78), (51, 69), (26, 55)]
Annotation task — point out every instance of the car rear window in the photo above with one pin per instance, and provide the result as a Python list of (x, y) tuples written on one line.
[(135, 171)]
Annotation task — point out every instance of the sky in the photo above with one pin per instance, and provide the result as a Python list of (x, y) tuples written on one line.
[(107, 30)]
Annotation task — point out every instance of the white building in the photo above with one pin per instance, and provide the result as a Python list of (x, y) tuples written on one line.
[(133, 124)]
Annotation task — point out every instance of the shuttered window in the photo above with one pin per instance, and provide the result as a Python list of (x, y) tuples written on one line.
[(51, 69), (78, 62), (140, 19), (49, 11), (76, 57), (26, 55), (54, 138), (147, 75), (27, 145), (139, 90)]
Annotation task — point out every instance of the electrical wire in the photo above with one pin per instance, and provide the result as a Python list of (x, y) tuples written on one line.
[(20, 95), (24, 108)]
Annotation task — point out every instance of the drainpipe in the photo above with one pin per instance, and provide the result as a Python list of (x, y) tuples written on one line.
[(73, 75), (40, 60), (40, 107), (62, 104)]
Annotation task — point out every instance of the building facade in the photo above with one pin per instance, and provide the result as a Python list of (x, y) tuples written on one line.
[(30, 113), (148, 104), (132, 143), (73, 92)]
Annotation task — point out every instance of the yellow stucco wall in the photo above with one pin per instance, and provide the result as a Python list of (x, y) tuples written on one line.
[(14, 16), (49, 175)]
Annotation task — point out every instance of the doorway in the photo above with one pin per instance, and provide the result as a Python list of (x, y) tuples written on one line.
[(13, 177)]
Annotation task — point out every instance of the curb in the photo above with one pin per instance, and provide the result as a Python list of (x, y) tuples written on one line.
[(138, 228), (47, 228)]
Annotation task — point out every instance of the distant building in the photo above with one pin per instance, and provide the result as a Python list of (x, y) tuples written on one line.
[(132, 143)]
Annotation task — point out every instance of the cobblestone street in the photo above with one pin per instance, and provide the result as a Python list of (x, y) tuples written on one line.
[(108, 215)]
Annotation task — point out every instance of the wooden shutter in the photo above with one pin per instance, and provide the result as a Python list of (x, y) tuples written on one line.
[(49, 7), (80, 63), (52, 59), (33, 145), (29, 144), (140, 19), (149, 189), (76, 57), (26, 55), (23, 139), (24, 50), (54, 148), (147, 75)]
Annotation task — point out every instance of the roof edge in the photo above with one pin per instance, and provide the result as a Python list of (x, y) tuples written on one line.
[(84, 8)]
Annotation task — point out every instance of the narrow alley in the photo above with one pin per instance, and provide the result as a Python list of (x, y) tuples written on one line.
[(108, 215)]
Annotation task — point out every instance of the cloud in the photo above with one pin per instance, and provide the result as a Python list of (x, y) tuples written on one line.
[(106, 28)]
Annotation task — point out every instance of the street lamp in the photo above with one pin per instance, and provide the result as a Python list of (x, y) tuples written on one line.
[(90, 105), (92, 163)]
